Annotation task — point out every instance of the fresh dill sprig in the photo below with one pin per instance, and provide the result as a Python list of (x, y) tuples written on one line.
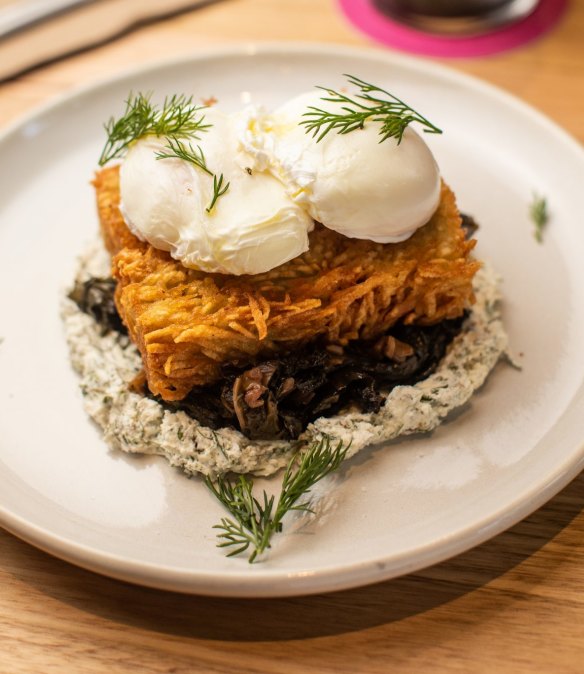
[(373, 103), (218, 191), (176, 149), (538, 212), (255, 521), (178, 117)]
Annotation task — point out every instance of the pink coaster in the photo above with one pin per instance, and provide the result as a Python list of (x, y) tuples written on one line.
[(371, 21)]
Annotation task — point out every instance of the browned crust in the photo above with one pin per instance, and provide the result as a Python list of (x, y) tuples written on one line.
[(187, 323)]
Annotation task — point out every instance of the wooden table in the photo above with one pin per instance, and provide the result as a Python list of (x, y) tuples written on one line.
[(514, 604)]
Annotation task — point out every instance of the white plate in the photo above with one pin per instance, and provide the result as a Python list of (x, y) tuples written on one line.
[(393, 509)]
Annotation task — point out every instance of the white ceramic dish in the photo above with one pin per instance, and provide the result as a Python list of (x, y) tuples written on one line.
[(392, 510)]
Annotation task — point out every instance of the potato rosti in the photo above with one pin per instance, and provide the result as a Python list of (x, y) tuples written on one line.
[(187, 324)]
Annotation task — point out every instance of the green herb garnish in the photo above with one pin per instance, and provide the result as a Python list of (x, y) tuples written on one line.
[(256, 521), (538, 212), (178, 117), (175, 149), (373, 103)]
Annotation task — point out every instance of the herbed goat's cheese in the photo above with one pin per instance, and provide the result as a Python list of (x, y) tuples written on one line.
[(133, 423)]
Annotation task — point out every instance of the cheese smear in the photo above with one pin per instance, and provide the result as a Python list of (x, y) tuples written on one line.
[(254, 227)]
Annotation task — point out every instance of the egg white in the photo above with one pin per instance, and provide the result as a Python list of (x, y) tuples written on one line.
[(254, 227)]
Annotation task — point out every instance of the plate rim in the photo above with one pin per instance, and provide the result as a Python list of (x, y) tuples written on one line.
[(255, 48), (279, 583)]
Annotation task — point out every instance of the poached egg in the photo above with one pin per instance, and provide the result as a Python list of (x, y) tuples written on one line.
[(252, 228), (280, 181), (351, 183)]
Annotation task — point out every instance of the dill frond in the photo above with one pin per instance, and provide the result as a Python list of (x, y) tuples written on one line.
[(538, 212), (372, 103), (178, 117), (254, 521)]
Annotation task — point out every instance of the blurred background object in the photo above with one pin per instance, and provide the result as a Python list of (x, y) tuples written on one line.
[(457, 17), (34, 33), (18, 14), (454, 28)]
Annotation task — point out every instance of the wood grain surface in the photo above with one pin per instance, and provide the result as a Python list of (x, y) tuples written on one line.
[(514, 604)]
